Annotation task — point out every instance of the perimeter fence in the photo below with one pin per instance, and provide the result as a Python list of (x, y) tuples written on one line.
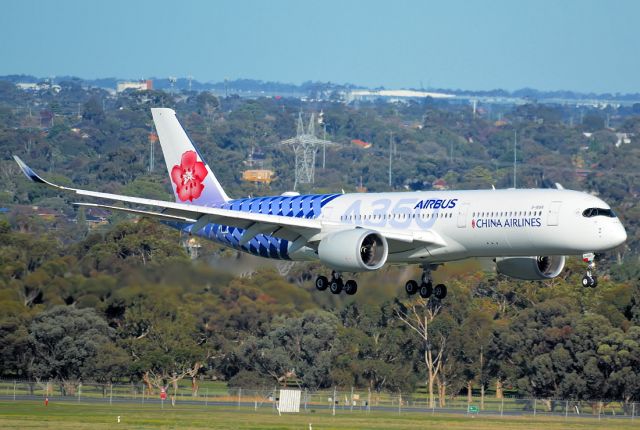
[(335, 401)]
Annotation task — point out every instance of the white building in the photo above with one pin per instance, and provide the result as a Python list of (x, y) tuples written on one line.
[(395, 95), (134, 85)]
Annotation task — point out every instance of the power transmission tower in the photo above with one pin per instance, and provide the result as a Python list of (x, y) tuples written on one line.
[(304, 147)]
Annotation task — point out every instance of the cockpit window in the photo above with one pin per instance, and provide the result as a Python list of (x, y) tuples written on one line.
[(591, 212)]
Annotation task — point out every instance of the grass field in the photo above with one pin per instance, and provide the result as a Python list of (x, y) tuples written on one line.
[(26, 414)]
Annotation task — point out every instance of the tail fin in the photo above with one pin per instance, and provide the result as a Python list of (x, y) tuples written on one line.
[(192, 179)]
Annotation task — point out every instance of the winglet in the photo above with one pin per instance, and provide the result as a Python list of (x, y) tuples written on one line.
[(33, 176), (28, 171)]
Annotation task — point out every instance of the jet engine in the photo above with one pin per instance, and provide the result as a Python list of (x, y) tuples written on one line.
[(355, 250), (531, 268)]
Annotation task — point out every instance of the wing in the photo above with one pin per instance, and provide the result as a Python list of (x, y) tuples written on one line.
[(297, 230)]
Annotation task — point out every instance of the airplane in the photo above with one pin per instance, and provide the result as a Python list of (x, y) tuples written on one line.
[(527, 232)]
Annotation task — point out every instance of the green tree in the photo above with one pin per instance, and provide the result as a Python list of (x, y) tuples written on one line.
[(65, 344)]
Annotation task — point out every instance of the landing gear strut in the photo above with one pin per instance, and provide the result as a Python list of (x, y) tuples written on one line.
[(426, 289), (590, 280), (336, 285)]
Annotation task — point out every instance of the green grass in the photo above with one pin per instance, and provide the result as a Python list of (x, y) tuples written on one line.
[(29, 414)]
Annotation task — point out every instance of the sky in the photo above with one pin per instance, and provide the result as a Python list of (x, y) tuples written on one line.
[(578, 45)]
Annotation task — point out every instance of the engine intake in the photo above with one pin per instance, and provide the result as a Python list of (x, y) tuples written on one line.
[(531, 268), (355, 250)]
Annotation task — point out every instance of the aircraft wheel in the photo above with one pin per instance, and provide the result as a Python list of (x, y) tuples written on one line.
[(350, 287), (426, 288), (322, 283), (336, 286), (589, 281), (440, 291), (411, 287)]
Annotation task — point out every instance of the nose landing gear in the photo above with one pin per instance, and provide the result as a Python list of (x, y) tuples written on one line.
[(590, 280)]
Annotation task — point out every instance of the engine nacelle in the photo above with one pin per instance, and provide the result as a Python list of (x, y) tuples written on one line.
[(355, 250), (531, 268)]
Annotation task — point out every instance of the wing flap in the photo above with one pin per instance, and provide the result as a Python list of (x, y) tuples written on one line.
[(158, 215)]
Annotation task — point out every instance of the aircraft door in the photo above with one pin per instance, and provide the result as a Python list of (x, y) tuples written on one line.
[(553, 215), (463, 209)]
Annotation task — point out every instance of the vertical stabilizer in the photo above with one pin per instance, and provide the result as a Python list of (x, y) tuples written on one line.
[(191, 177)]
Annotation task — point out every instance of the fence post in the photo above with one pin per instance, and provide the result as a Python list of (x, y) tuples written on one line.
[(566, 409), (633, 411), (351, 399), (206, 397), (111, 394), (369, 401), (502, 406), (79, 391), (333, 400), (239, 396), (306, 399), (275, 396), (535, 404), (14, 390), (143, 394)]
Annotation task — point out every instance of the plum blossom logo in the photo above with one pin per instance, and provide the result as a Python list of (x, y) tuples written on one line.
[(188, 176), (473, 223)]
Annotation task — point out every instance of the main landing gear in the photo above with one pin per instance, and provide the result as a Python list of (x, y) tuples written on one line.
[(336, 285), (426, 288), (590, 280)]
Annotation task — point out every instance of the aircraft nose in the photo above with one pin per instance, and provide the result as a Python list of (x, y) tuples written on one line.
[(618, 235)]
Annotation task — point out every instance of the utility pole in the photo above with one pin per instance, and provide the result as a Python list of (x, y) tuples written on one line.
[(390, 155), (324, 145), (515, 145)]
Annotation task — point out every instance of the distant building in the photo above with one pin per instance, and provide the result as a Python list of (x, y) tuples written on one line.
[(395, 95), (134, 85), (361, 143), (623, 139), (40, 86), (46, 118), (439, 184), (262, 176)]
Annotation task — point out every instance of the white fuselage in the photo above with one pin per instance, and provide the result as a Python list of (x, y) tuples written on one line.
[(482, 223)]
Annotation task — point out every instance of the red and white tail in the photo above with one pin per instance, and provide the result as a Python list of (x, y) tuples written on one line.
[(192, 179)]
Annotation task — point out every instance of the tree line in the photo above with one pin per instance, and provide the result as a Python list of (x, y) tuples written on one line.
[(126, 302), (130, 305)]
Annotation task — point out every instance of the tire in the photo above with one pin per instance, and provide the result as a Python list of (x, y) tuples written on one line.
[(440, 291), (594, 282), (589, 282), (426, 288), (322, 283), (411, 287), (336, 286), (350, 287)]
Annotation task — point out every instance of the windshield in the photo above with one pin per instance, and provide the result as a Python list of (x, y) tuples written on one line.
[(591, 212)]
